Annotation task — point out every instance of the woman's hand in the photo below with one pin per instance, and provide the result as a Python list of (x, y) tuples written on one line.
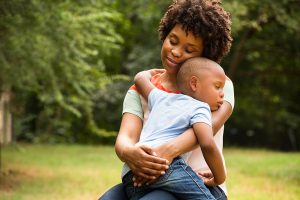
[(141, 159), (141, 178), (143, 162), (166, 151)]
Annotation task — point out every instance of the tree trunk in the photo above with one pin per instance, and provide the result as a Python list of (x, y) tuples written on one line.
[(5, 117), (239, 54)]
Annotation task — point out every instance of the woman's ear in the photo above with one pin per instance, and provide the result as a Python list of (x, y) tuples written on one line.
[(193, 83)]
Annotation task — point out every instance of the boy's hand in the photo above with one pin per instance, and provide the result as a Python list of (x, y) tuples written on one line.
[(207, 178), (156, 71)]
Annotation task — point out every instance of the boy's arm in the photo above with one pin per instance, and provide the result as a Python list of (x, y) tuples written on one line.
[(220, 116), (211, 153), (143, 83)]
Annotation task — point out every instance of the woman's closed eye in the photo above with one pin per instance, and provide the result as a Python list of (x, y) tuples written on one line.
[(173, 40), (190, 50)]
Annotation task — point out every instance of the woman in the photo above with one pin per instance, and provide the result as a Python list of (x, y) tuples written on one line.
[(188, 29)]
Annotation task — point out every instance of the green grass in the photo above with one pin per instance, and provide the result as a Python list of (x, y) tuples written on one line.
[(84, 172)]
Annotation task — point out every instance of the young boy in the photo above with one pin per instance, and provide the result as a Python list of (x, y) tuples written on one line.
[(201, 82)]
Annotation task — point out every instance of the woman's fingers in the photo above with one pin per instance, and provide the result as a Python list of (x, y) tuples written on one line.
[(139, 181), (151, 156), (148, 173), (145, 176), (144, 162), (154, 172)]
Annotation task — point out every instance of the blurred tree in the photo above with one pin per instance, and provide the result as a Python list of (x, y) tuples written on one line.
[(140, 51), (52, 59), (264, 65), (62, 62)]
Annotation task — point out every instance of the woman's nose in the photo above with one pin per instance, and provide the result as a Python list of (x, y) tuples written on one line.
[(176, 52)]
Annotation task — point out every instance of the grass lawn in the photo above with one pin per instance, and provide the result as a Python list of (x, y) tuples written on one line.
[(76, 172)]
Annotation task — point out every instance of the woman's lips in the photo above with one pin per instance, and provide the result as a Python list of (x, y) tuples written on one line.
[(171, 63)]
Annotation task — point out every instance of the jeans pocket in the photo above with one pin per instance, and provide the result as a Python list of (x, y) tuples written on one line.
[(217, 192)]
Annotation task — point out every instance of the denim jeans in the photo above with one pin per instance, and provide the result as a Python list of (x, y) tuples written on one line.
[(118, 193), (179, 179), (218, 193)]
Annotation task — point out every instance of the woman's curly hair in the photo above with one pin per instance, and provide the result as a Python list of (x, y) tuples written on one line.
[(204, 18)]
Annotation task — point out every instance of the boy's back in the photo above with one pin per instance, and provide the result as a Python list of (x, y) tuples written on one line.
[(170, 115)]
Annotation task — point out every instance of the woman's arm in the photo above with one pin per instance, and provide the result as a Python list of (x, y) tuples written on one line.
[(141, 159)]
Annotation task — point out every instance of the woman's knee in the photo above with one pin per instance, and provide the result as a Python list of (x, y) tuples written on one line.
[(115, 193), (158, 194)]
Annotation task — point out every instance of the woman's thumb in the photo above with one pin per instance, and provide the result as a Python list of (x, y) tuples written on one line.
[(148, 150)]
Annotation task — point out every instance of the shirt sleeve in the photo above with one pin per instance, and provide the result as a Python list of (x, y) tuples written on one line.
[(132, 104), (202, 114), (229, 93)]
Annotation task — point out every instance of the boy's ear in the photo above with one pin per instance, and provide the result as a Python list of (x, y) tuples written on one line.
[(193, 83)]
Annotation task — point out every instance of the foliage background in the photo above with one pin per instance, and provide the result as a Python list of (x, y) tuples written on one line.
[(68, 65)]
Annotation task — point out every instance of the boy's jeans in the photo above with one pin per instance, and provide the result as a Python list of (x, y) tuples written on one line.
[(179, 179)]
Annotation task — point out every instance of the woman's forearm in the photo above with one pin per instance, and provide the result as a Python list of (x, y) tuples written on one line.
[(141, 159), (128, 135)]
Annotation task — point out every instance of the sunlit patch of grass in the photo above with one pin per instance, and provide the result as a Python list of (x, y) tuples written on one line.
[(78, 172), (59, 172), (261, 174)]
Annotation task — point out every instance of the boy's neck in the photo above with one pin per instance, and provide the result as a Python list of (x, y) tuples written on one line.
[(168, 81)]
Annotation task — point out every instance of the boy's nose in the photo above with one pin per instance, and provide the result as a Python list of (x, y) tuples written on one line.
[(222, 94)]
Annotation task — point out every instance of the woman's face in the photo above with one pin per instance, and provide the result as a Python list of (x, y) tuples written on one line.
[(178, 47)]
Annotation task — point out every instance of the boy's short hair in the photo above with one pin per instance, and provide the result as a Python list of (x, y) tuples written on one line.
[(194, 67), (204, 18)]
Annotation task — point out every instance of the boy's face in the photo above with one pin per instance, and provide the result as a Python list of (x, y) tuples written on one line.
[(210, 88), (178, 47)]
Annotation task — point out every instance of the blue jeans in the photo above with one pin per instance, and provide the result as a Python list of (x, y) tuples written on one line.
[(118, 193), (180, 180)]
